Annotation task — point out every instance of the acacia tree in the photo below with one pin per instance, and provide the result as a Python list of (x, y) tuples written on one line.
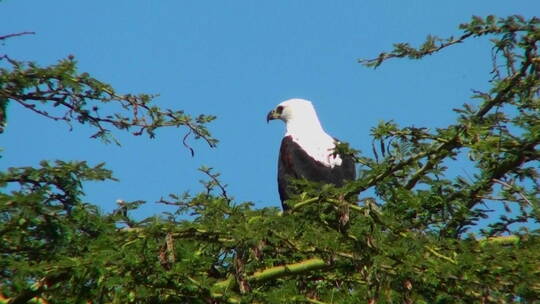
[(408, 244)]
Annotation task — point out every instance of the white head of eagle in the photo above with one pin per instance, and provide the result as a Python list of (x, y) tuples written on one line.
[(307, 151)]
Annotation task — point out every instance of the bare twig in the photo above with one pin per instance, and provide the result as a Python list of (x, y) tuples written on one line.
[(498, 181), (16, 35), (184, 141)]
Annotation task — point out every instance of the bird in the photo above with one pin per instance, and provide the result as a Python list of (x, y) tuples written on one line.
[(307, 151)]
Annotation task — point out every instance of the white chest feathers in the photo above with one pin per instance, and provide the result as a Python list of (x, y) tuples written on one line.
[(320, 148)]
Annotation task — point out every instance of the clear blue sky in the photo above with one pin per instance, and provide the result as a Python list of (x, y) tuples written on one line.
[(237, 60)]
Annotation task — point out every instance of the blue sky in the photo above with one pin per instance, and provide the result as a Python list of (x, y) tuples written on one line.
[(237, 60)]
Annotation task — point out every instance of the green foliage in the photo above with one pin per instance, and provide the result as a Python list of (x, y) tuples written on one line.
[(59, 92), (410, 243)]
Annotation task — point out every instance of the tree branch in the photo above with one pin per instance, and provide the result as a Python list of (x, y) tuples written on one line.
[(77, 96), (375, 62), (508, 186), (273, 273), (16, 34)]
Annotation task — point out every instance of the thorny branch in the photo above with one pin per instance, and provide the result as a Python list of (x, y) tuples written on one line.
[(77, 97)]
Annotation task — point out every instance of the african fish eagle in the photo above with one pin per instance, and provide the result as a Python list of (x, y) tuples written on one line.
[(307, 151)]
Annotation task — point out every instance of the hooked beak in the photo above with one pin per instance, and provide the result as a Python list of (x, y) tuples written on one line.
[(272, 115)]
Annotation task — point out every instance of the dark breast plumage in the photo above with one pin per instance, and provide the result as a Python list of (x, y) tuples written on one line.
[(296, 163)]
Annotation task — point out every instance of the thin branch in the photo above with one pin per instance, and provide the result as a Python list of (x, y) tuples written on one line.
[(216, 181), (431, 163), (499, 199), (61, 86), (498, 181), (484, 185), (450, 145), (184, 142), (16, 35), (32, 107), (385, 56)]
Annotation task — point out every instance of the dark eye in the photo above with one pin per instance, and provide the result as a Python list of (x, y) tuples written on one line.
[(279, 109)]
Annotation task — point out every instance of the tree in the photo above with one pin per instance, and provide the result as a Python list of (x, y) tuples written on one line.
[(408, 244)]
